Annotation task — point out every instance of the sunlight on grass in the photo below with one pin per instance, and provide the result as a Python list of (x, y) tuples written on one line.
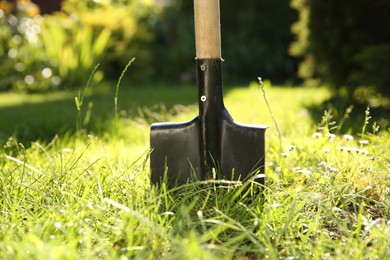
[(86, 194), (288, 105), (14, 99)]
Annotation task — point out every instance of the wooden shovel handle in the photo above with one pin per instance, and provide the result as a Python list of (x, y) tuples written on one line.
[(207, 29)]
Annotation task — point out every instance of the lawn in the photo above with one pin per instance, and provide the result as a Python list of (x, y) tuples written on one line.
[(75, 184)]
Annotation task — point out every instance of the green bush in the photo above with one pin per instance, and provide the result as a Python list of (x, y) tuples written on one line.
[(343, 42), (60, 50), (73, 48), (374, 64), (106, 32), (131, 25), (173, 48), (70, 43), (255, 39), (23, 65), (256, 36), (42, 53)]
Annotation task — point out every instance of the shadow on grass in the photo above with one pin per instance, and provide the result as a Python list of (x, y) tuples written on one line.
[(351, 114), (42, 116)]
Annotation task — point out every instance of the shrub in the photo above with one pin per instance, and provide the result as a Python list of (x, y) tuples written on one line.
[(343, 42), (255, 39), (71, 42), (42, 53), (131, 25), (24, 65), (256, 36), (59, 51), (373, 67), (73, 48)]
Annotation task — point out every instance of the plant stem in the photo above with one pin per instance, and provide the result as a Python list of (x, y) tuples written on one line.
[(80, 98), (117, 91), (272, 114)]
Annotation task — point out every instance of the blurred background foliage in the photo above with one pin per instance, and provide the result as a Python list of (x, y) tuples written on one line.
[(61, 49), (345, 44)]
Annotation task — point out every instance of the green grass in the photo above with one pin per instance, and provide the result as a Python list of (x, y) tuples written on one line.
[(68, 194)]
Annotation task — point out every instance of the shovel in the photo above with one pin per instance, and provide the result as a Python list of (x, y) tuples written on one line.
[(211, 145)]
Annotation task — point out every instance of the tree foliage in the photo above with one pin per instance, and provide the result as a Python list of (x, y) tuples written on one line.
[(255, 38), (257, 35), (345, 43)]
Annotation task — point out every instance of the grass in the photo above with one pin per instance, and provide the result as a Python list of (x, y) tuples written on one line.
[(69, 194)]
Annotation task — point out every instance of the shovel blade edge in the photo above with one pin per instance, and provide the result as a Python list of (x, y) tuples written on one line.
[(242, 151), (175, 152)]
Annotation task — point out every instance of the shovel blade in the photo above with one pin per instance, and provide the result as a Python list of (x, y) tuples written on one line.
[(242, 151), (175, 152)]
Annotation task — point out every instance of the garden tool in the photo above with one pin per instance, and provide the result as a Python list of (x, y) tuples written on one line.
[(211, 145)]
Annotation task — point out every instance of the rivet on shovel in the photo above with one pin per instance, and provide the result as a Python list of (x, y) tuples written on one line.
[(190, 151)]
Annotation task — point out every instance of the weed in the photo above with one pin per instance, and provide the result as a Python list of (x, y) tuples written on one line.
[(117, 90), (271, 113), (80, 98)]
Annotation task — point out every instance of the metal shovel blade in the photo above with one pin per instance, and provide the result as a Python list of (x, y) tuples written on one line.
[(175, 155), (242, 151), (185, 152)]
